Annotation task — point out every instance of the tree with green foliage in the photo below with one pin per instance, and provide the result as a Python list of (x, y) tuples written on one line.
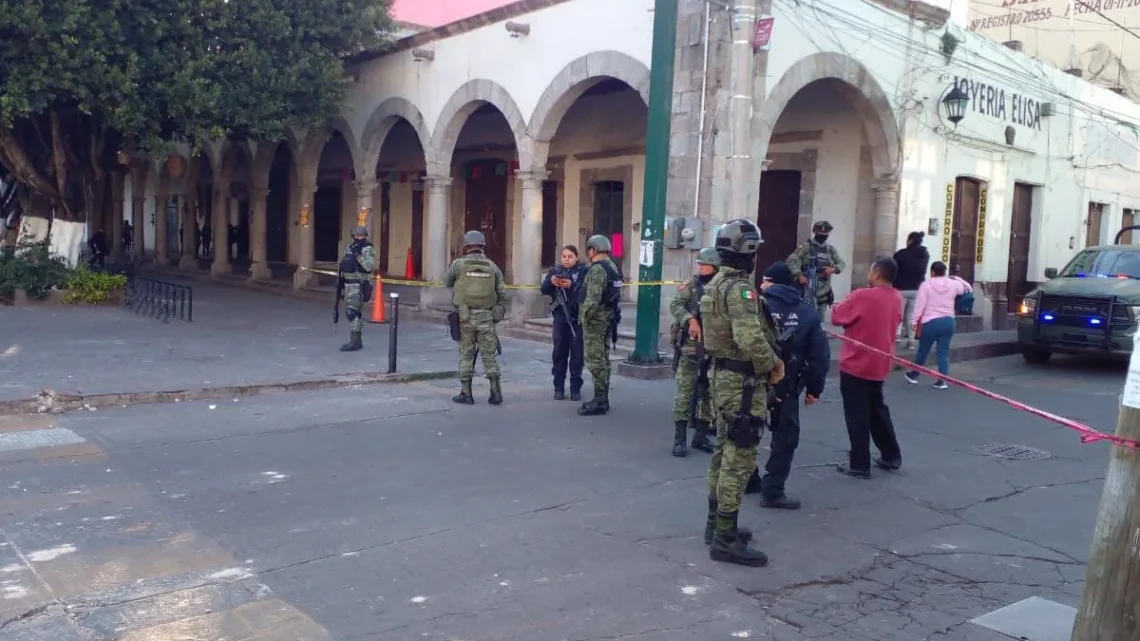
[(82, 81)]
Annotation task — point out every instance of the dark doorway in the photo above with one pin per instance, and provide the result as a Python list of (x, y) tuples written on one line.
[(549, 223), (964, 234), (385, 240), (418, 228), (778, 216), (609, 216), (1096, 214), (1020, 227), (486, 206), (240, 241), (1127, 219), (326, 223), (277, 208)]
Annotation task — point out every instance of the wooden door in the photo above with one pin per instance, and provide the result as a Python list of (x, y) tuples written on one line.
[(485, 208), (964, 234), (1092, 235), (1127, 220), (385, 240), (549, 223), (778, 216), (1017, 276), (418, 228)]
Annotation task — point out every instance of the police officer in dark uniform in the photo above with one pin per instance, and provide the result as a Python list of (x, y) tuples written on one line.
[(807, 356)]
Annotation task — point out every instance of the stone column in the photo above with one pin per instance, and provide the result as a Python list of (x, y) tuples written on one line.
[(364, 189), (138, 220), (527, 270), (258, 226), (161, 228), (189, 224), (221, 223), (886, 216), (118, 187), (304, 277), (435, 229)]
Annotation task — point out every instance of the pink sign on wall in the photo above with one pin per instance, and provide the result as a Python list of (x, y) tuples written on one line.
[(618, 242), (434, 13)]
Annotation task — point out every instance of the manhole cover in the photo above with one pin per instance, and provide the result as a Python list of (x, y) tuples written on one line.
[(1013, 452)]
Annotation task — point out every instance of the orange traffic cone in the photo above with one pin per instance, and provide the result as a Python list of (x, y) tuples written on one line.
[(410, 266), (378, 312)]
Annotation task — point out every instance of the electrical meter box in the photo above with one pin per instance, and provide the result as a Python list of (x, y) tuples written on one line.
[(683, 233)]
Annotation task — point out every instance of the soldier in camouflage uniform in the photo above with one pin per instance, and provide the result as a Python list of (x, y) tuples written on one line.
[(598, 299), (356, 271), (480, 298), (745, 363), (828, 264), (685, 307)]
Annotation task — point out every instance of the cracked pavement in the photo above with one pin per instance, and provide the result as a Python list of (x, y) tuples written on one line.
[(386, 512)]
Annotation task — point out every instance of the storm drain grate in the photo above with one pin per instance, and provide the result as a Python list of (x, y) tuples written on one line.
[(1013, 452)]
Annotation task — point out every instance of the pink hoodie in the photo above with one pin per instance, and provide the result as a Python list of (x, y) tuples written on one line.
[(936, 298)]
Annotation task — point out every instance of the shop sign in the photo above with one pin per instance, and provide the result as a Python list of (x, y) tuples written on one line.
[(983, 196), (992, 100), (947, 222)]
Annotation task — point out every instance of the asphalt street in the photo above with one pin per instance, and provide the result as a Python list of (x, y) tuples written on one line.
[(386, 512)]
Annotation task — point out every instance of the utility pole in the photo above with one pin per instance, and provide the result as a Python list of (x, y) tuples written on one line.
[(739, 164), (656, 181), (1110, 604)]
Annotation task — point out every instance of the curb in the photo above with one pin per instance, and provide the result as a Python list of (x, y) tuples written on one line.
[(57, 404)]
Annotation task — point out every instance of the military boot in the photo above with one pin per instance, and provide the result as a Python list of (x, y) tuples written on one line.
[(597, 406), (464, 396), (679, 436), (701, 437), (496, 397), (353, 343), (729, 547), (743, 533)]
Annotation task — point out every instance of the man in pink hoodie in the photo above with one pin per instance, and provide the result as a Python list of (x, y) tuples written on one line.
[(933, 319), (870, 315)]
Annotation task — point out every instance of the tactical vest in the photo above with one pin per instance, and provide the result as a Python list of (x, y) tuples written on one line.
[(820, 255), (349, 264), (715, 322), (475, 286), (611, 295)]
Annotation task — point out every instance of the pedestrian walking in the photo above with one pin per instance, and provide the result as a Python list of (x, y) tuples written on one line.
[(480, 300), (561, 285), (807, 357), (912, 261), (690, 362), (933, 319), (354, 280), (871, 316), (745, 364), (598, 300)]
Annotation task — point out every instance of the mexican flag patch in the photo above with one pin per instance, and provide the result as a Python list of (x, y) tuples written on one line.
[(748, 294)]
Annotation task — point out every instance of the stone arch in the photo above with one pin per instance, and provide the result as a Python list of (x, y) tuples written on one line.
[(466, 99), (864, 94), (569, 84), (383, 118)]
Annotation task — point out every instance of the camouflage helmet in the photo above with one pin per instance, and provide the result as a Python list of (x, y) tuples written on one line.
[(599, 243), (822, 226), (360, 230), (708, 256), (738, 237), (474, 237)]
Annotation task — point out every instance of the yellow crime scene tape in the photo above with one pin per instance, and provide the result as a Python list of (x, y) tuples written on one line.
[(425, 283)]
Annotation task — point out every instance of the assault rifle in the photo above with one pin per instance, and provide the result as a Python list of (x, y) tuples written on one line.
[(701, 390), (339, 296), (560, 300), (811, 294)]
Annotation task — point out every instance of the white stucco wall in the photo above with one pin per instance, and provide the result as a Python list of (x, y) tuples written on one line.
[(523, 66)]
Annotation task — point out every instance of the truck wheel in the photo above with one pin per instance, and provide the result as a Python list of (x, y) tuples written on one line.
[(1036, 356)]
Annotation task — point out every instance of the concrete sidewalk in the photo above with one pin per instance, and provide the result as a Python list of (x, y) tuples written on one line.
[(238, 338)]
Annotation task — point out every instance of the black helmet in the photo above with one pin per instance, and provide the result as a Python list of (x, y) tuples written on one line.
[(739, 237)]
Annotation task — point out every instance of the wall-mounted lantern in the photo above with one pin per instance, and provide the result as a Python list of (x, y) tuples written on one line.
[(423, 55), (517, 29), (954, 105)]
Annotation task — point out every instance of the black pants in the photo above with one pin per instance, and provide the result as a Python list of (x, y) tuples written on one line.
[(785, 428), (868, 419), (568, 351)]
